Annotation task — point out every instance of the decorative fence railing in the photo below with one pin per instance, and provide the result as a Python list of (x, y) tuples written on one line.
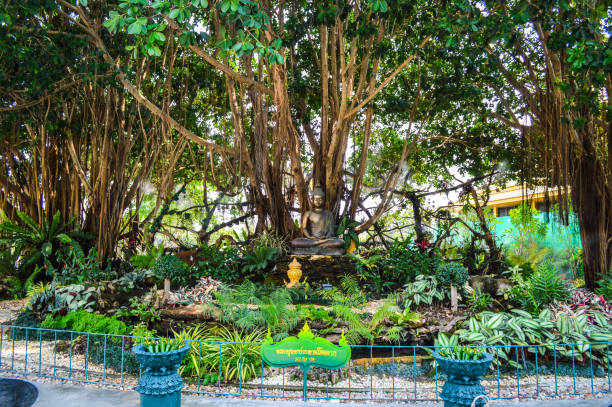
[(376, 372)]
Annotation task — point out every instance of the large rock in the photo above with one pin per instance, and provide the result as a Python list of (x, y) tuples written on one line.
[(491, 285)]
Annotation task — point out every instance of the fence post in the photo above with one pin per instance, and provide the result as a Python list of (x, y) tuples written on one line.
[(305, 370)]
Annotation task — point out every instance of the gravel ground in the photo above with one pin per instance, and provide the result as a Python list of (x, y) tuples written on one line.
[(44, 362)]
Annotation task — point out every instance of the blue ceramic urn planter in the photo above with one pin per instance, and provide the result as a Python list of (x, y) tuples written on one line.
[(160, 384), (463, 380)]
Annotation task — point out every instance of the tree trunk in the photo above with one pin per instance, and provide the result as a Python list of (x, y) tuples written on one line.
[(593, 204)]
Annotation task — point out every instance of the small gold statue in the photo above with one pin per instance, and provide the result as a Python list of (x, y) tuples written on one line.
[(294, 273)]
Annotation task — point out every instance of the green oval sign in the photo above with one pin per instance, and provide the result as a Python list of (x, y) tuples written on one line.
[(306, 351)]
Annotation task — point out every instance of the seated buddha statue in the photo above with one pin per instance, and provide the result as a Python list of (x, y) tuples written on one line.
[(317, 225)]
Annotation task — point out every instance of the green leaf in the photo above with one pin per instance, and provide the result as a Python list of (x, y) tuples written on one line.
[(46, 249), (476, 337), (64, 238), (135, 28), (83, 2), (173, 13), (225, 6), (495, 321)]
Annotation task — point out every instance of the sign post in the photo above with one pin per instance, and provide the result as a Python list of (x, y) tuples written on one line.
[(306, 351)]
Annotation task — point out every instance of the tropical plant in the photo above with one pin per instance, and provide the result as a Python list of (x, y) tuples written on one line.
[(604, 286), (132, 279), (271, 239), (259, 258), (147, 260), (311, 313), (75, 297), (424, 290), (529, 259), (141, 309), (518, 327), (368, 270), (162, 345), (363, 326), (540, 289), (194, 335), (529, 229), (478, 301), (405, 261), (407, 318), (76, 268), (233, 355), (32, 244), (349, 293), (52, 298), (346, 231), (140, 332), (272, 310)]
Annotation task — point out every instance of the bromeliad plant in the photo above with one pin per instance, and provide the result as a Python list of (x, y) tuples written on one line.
[(162, 345), (461, 353)]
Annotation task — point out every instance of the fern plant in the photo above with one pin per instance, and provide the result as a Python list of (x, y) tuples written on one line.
[(259, 258), (545, 286), (272, 310), (349, 294)]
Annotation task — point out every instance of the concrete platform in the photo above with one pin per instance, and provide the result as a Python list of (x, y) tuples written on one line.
[(68, 395)]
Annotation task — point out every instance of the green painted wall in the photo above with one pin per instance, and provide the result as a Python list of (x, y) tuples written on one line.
[(558, 236)]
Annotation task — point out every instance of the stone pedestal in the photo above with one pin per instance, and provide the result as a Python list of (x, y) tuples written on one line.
[(318, 250), (463, 386), (160, 384)]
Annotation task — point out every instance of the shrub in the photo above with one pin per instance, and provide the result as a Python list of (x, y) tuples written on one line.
[(221, 263), (77, 268), (454, 274), (172, 268), (113, 351), (83, 321), (404, 261), (604, 286)]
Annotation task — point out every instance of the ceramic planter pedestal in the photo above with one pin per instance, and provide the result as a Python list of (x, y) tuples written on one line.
[(463, 383), (160, 384)]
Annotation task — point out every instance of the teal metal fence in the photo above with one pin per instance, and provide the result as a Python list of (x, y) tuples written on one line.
[(376, 372)]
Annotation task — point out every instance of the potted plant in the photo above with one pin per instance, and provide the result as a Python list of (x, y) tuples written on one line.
[(464, 367), (160, 383)]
